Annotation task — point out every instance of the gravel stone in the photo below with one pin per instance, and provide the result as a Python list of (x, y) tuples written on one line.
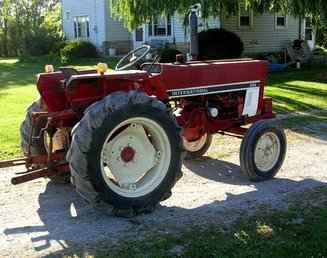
[(40, 218)]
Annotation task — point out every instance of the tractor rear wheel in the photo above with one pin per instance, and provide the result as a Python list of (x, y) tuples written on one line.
[(126, 152), (263, 151), (196, 149), (39, 145)]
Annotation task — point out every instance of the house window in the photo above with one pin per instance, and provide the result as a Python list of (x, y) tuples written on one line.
[(139, 35), (160, 26), (82, 27), (280, 21), (245, 18), (68, 15)]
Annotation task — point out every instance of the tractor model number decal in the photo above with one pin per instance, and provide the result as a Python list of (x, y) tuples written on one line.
[(212, 89), (179, 93)]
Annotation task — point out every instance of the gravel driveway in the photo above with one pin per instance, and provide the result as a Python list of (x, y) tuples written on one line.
[(40, 218)]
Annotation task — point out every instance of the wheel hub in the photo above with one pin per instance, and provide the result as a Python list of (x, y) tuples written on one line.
[(135, 157), (127, 154), (267, 151), (130, 156), (195, 146)]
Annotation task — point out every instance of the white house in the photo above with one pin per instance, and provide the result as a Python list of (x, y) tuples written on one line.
[(169, 29), (92, 20)]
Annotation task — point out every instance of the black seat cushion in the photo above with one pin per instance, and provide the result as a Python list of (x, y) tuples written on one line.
[(68, 72)]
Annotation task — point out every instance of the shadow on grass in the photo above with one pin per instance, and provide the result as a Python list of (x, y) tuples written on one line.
[(301, 97), (90, 231), (313, 74), (311, 124), (284, 105), (305, 90)]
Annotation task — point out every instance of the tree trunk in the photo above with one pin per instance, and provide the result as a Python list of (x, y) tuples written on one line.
[(5, 37)]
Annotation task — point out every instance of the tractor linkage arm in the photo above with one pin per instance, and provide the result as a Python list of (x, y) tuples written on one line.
[(48, 165), (32, 173)]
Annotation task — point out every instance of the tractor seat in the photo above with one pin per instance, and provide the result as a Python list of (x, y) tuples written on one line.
[(68, 72)]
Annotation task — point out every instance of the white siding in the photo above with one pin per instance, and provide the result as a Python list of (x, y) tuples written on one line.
[(180, 34), (263, 36), (94, 9), (116, 31)]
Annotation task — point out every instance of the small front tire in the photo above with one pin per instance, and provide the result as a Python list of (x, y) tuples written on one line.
[(197, 149), (263, 151)]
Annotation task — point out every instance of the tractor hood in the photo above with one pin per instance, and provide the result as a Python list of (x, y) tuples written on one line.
[(130, 75), (59, 93)]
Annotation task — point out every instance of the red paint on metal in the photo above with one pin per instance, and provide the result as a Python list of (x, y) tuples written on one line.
[(66, 101), (127, 154), (267, 105), (238, 131), (89, 85)]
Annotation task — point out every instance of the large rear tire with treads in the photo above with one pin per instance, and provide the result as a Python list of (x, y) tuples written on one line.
[(37, 144), (126, 152)]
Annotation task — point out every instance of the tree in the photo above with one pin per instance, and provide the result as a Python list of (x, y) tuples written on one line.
[(137, 12), (29, 27), (4, 17)]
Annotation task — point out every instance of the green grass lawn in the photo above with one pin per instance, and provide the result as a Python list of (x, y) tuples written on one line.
[(278, 235), (292, 91), (298, 90), (299, 232), (17, 92)]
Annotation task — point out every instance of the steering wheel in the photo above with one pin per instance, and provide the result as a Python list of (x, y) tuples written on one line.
[(133, 57)]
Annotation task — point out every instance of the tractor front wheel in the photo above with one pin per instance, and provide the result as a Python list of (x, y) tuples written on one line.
[(196, 149), (263, 151), (126, 152)]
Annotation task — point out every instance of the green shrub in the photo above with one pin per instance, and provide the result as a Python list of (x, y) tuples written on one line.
[(76, 49), (322, 36), (40, 43), (168, 55), (219, 44)]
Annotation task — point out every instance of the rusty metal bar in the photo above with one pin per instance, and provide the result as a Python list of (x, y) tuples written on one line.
[(40, 159), (40, 173), (43, 159), (13, 163)]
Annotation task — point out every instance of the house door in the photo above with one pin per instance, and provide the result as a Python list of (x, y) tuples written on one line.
[(138, 37), (310, 35)]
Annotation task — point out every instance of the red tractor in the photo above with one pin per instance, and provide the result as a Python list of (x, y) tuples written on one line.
[(120, 135)]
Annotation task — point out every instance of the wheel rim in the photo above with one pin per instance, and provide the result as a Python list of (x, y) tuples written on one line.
[(135, 157), (195, 146), (267, 151)]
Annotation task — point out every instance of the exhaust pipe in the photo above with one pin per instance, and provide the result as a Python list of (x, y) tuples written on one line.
[(194, 15)]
